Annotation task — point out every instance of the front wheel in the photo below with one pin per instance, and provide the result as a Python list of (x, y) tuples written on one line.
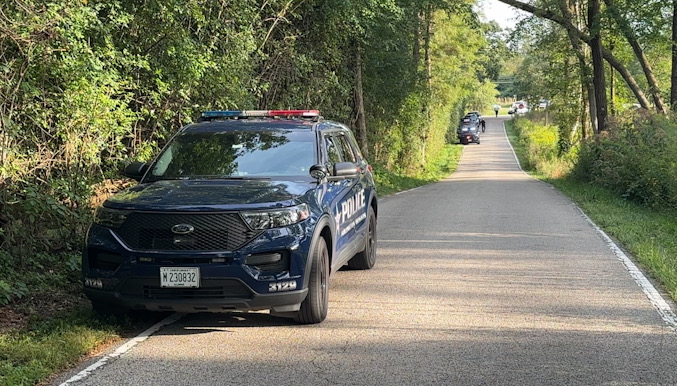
[(315, 305), (367, 258)]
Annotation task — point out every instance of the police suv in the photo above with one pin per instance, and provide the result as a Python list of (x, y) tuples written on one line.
[(244, 210)]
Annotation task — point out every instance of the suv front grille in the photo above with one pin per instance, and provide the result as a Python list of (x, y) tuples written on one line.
[(212, 231)]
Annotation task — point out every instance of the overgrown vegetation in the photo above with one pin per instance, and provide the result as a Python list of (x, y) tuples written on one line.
[(624, 181)]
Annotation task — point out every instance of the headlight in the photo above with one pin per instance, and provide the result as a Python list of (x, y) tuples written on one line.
[(110, 218), (276, 218), (464, 129)]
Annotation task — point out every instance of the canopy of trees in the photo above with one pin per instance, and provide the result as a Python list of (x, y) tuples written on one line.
[(615, 51)]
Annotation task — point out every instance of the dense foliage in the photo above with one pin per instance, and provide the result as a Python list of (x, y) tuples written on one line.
[(87, 86), (635, 158)]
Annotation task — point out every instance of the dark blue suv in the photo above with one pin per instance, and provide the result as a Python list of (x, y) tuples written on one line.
[(245, 210)]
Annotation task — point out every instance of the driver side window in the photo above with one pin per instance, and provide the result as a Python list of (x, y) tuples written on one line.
[(333, 148)]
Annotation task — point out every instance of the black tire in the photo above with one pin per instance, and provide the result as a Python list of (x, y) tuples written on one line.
[(315, 305), (367, 258)]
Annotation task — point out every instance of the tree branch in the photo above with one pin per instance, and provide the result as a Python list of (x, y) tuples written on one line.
[(615, 63)]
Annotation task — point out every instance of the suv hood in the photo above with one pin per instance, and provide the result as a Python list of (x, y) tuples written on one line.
[(209, 195)]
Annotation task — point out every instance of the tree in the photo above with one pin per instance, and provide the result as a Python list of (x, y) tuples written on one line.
[(673, 89), (613, 61), (598, 77), (627, 31)]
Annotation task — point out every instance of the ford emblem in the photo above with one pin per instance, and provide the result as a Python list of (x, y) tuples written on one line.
[(182, 229)]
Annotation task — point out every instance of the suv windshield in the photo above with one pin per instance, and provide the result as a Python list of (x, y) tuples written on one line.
[(235, 154)]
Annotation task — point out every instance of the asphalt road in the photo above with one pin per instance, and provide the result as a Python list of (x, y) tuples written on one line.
[(485, 278)]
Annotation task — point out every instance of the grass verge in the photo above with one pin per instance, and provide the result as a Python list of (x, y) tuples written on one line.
[(47, 345), (388, 182), (648, 235)]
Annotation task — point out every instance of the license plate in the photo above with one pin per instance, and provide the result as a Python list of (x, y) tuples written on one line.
[(182, 277)]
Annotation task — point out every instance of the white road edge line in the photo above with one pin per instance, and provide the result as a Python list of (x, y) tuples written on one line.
[(123, 349), (659, 303)]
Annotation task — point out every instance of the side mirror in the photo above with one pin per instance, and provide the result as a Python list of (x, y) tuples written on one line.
[(343, 170), (136, 170), (319, 172)]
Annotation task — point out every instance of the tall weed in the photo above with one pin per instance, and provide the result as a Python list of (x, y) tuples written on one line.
[(542, 144)]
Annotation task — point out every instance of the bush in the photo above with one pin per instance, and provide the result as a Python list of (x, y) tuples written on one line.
[(543, 147), (635, 159)]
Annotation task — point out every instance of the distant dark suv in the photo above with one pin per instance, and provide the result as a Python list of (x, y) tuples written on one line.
[(245, 210), (469, 129)]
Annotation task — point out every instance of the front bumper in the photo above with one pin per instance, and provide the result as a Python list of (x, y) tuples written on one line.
[(227, 283), (206, 299)]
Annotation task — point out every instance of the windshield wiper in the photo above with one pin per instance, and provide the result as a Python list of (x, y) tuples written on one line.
[(156, 179), (207, 178), (238, 178)]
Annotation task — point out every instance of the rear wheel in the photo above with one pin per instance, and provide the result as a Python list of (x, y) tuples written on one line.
[(367, 258), (315, 305)]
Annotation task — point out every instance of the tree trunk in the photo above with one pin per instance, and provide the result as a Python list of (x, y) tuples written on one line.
[(428, 33), (617, 65), (673, 86), (598, 78), (360, 121), (429, 78), (587, 89), (416, 50), (639, 54), (612, 91)]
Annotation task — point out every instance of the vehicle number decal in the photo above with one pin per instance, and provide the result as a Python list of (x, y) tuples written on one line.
[(282, 286)]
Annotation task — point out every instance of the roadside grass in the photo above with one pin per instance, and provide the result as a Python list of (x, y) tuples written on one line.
[(650, 236), (48, 345), (388, 182)]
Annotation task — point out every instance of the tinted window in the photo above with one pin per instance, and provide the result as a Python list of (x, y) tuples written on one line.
[(333, 149), (347, 150), (353, 144)]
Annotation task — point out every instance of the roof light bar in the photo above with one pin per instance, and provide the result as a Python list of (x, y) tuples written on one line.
[(295, 113), (260, 113)]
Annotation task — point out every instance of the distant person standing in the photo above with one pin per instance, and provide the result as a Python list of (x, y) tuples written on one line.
[(496, 108)]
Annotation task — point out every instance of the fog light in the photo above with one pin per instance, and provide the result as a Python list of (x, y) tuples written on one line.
[(263, 259)]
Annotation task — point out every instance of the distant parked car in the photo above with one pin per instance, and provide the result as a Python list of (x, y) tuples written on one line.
[(519, 108)]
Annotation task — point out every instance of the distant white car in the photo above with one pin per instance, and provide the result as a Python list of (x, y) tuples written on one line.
[(519, 108)]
